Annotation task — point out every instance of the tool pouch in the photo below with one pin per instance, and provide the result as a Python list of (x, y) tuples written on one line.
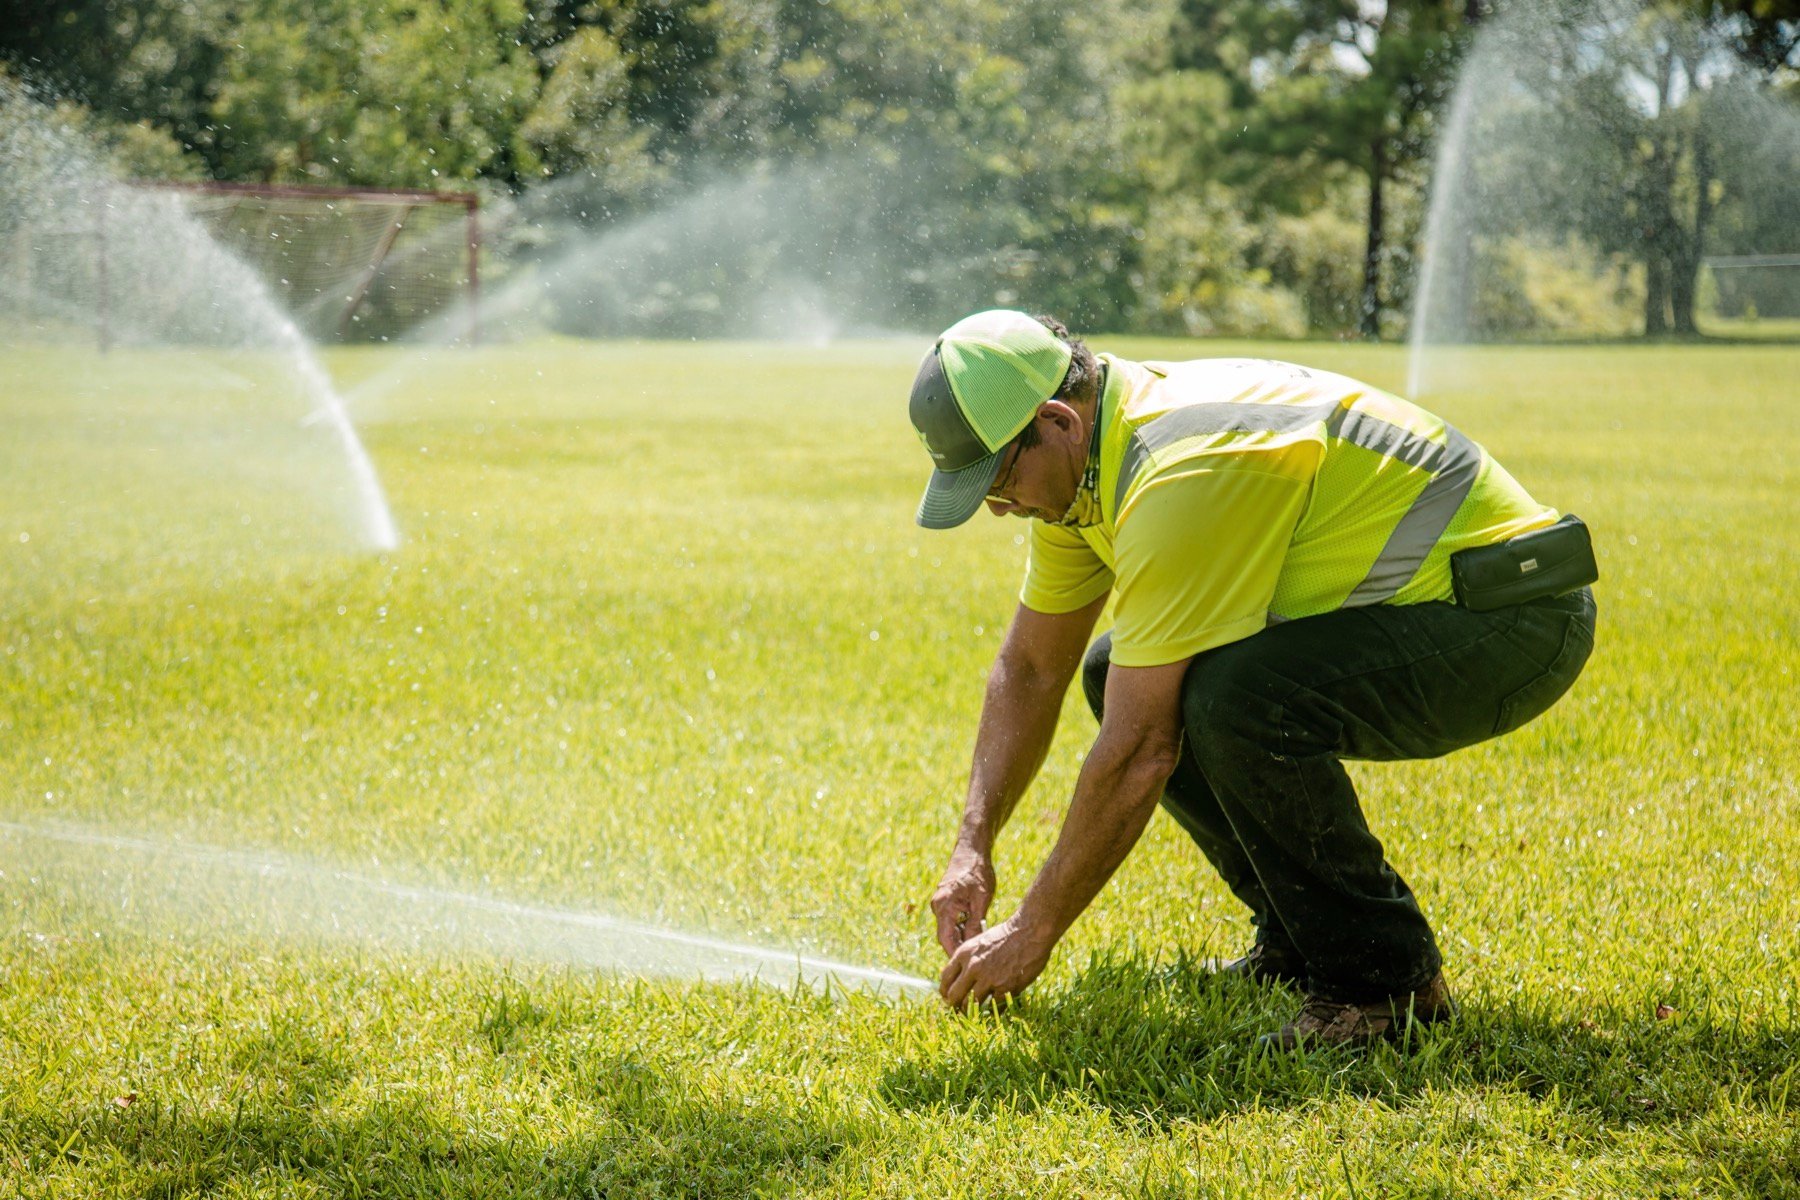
[(1544, 562)]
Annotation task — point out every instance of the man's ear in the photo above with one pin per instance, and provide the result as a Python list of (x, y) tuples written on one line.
[(1065, 419)]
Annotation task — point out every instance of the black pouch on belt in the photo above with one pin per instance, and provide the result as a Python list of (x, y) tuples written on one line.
[(1544, 562)]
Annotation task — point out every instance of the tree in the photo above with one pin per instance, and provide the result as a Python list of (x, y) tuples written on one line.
[(1322, 83), (581, 124), (856, 148), (1640, 129), (131, 61), (1765, 33), (413, 93), (656, 62)]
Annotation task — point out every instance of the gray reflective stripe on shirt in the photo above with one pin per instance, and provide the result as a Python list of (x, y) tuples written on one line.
[(1384, 438), (1199, 420), (1346, 424), (1453, 464), (1454, 468)]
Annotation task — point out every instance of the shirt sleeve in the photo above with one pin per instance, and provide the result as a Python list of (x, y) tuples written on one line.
[(1199, 554), (1062, 572)]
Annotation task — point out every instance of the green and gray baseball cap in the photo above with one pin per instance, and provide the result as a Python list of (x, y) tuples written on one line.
[(978, 387)]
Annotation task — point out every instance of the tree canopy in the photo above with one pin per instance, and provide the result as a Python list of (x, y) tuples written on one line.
[(1252, 166)]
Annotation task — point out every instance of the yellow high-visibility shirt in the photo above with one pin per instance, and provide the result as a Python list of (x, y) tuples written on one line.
[(1234, 493)]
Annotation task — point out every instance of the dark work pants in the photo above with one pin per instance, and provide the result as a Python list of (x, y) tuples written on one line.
[(1263, 792)]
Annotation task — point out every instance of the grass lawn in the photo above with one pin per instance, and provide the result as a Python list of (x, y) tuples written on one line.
[(285, 825)]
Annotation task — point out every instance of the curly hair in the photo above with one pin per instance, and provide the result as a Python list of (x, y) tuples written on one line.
[(1080, 385)]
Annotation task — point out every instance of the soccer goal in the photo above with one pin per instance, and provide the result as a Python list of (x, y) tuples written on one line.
[(1753, 295), (348, 264)]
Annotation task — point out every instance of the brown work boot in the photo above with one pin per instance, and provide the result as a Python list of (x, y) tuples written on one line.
[(1324, 1022), (1261, 965)]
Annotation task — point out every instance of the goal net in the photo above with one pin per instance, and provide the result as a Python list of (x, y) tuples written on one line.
[(1752, 294), (348, 264), (345, 264)]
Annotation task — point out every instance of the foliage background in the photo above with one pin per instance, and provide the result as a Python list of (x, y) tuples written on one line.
[(1187, 166)]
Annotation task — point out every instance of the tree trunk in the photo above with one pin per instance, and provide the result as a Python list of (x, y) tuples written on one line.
[(1656, 292), (1683, 272), (1685, 267), (1371, 290), (1658, 203)]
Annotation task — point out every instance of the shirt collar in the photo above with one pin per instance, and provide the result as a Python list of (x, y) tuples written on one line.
[(1085, 509)]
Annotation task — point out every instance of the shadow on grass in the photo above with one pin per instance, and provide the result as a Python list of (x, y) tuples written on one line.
[(1158, 1044), (648, 1135)]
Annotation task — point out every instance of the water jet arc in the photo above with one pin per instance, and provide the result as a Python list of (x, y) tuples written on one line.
[(440, 915)]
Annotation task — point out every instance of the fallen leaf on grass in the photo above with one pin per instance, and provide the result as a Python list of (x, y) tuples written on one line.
[(125, 1101), (1664, 1012)]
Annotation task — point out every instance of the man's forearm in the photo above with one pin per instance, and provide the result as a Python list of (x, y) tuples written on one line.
[(1018, 721), (1138, 747), (1115, 794)]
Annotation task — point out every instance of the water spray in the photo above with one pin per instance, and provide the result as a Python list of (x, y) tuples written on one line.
[(1540, 174), (95, 263), (285, 897)]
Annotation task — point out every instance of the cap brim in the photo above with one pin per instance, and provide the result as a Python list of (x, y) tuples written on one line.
[(953, 496)]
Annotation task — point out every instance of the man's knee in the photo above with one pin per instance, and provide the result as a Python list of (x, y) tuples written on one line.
[(1093, 672)]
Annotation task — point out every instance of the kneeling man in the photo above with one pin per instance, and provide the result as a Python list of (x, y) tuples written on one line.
[(1303, 569)]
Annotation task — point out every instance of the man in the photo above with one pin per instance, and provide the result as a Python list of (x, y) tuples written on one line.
[(1278, 545)]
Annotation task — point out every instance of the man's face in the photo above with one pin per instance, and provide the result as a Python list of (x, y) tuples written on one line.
[(1041, 482)]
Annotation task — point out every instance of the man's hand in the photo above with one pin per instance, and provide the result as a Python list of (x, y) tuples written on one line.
[(994, 966), (962, 898)]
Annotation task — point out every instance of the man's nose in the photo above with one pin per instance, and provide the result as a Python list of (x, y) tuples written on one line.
[(1001, 508)]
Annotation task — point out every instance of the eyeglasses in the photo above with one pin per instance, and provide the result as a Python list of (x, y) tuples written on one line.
[(1004, 479)]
